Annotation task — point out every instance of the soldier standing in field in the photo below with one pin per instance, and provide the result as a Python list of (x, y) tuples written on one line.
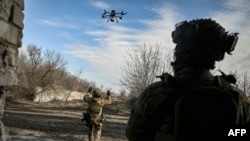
[(192, 104), (95, 115)]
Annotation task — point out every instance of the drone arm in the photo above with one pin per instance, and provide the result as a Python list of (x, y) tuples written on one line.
[(116, 19), (121, 13), (108, 19), (104, 16)]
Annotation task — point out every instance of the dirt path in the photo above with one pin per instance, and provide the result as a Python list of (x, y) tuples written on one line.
[(49, 122)]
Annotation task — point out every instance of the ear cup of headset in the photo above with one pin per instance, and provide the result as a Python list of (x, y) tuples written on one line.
[(231, 42)]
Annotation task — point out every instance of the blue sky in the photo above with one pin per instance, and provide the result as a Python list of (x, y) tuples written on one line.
[(75, 29)]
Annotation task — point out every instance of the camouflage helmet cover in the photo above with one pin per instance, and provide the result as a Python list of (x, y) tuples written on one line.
[(202, 42), (96, 93), (207, 32)]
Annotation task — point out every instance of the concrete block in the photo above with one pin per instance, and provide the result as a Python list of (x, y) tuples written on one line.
[(12, 35), (8, 57), (4, 27), (18, 17), (20, 3), (8, 77), (5, 6)]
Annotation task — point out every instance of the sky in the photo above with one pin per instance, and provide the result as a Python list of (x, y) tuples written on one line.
[(75, 29)]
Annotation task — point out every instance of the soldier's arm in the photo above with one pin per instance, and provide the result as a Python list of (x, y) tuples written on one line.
[(87, 98), (107, 100)]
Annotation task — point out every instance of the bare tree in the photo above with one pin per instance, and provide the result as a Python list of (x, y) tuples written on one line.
[(122, 92), (30, 61), (51, 64), (47, 70), (39, 68), (243, 81), (144, 63)]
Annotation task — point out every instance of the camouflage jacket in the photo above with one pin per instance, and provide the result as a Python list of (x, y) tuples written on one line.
[(196, 102), (96, 104)]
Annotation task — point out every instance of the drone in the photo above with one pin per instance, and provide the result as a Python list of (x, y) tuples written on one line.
[(112, 16)]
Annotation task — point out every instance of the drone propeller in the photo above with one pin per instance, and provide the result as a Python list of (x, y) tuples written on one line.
[(105, 12), (123, 13)]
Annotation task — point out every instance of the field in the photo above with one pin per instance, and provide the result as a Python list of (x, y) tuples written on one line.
[(57, 121)]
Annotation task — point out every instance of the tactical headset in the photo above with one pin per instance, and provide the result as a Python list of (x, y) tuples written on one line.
[(187, 31)]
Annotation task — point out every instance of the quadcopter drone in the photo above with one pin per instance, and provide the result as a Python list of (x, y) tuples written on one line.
[(112, 16)]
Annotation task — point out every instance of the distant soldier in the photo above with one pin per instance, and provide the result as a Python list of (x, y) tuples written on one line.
[(95, 113), (192, 104)]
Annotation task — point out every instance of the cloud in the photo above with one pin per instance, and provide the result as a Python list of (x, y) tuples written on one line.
[(235, 18), (100, 4), (107, 57), (59, 23), (113, 42)]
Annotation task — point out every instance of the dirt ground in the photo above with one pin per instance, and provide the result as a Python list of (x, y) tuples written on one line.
[(58, 121)]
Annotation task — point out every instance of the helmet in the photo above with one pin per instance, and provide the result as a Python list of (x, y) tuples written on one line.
[(90, 89), (201, 42), (96, 93)]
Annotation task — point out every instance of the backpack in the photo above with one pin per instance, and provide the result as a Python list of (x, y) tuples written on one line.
[(159, 121), (216, 107)]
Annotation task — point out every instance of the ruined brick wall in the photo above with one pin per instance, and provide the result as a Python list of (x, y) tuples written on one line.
[(11, 26)]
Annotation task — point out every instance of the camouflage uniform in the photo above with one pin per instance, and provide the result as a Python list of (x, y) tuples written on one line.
[(95, 111), (193, 104)]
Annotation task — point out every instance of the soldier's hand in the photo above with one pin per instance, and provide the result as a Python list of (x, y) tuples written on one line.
[(108, 93)]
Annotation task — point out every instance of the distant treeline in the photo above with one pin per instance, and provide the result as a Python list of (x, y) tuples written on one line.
[(45, 69)]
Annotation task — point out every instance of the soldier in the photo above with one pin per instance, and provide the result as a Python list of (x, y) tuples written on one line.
[(95, 113), (193, 104)]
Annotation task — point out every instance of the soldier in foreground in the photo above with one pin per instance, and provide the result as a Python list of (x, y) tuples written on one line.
[(94, 116), (193, 104)]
